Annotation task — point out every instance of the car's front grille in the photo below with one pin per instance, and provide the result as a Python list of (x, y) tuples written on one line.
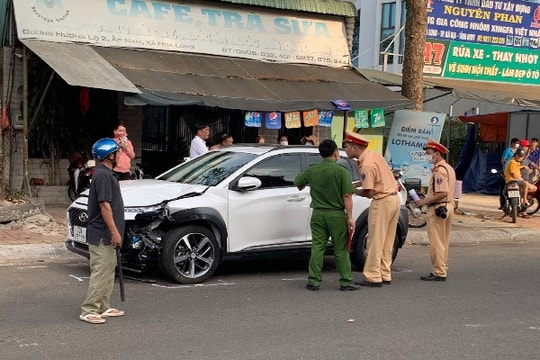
[(78, 217)]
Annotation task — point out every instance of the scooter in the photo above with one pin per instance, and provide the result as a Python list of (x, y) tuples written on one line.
[(512, 201), (80, 171), (417, 216)]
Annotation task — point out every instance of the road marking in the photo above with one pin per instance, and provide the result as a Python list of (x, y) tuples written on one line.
[(294, 279), (79, 278), (399, 270), (223, 283)]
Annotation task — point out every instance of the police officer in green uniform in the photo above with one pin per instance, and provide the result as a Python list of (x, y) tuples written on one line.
[(331, 199)]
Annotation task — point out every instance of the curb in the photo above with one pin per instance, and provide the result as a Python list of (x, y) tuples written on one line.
[(36, 253), (57, 252), (477, 236)]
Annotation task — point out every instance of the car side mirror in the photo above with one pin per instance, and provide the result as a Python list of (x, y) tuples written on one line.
[(247, 183)]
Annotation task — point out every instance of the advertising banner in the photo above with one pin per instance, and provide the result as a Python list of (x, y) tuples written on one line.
[(408, 136), (468, 61), (510, 23), (483, 40), (206, 28)]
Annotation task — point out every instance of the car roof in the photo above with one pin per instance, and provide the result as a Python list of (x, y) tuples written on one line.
[(259, 149)]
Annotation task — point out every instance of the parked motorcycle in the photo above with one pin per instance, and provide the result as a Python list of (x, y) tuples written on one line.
[(80, 171), (417, 215)]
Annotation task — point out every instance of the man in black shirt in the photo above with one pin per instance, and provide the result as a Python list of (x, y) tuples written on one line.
[(104, 233)]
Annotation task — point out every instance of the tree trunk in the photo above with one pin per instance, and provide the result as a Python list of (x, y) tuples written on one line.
[(413, 59)]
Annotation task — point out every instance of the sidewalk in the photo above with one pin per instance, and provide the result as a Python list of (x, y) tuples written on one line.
[(40, 238)]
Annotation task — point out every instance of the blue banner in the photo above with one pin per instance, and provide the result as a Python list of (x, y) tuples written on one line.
[(506, 23), (408, 137)]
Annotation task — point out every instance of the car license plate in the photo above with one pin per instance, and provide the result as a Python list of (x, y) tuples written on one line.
[(513, 193), (79, 234)]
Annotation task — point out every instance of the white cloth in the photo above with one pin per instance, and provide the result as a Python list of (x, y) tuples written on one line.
[(198, 147)]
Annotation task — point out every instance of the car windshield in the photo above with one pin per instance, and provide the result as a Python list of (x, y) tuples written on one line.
[(209, 169)]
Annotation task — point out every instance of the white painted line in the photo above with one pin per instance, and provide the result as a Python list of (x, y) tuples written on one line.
[(398, 270), (192, 286), (79, 278), (294, 279), (31, 267)]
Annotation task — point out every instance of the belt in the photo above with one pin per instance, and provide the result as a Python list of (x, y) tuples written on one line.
[(438, 203), (387, 195)]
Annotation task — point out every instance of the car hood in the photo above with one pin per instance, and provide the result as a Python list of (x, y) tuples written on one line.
[(147, 192)]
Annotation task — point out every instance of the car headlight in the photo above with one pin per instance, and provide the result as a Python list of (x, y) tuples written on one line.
[(144, 209)]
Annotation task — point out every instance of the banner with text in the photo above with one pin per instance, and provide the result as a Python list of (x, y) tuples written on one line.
[(467, 61), (408, 136), (253, 33), (510, 23), (483, 40)]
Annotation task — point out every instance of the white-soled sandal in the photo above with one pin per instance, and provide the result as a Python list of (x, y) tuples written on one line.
[(92, 318)]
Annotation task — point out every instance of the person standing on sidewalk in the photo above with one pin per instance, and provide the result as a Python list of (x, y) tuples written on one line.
[(198, 144), (379, 184), (331, 199), (125, 153), (508, 153), (534, 160), (440, 202), (104, 233)]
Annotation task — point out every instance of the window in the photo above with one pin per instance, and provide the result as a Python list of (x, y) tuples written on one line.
[(278, 171), (348, 164), (388, 29)]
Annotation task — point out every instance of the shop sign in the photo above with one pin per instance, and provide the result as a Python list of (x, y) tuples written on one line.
[(461, 60), (507, 23), (206, 28)]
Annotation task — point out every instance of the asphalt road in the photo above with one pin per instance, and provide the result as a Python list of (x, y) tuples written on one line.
[(488, 309)]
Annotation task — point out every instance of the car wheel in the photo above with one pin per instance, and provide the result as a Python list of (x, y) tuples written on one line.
[(71, 192), (359, 254), (189, 254)]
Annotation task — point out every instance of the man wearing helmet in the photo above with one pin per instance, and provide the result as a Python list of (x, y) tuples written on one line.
[(104, 233), (512, 172)]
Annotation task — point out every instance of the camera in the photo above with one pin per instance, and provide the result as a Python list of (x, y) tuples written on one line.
[(441, 212)]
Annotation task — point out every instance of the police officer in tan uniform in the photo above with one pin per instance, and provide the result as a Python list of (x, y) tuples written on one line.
[(379, 184), (440, 202)]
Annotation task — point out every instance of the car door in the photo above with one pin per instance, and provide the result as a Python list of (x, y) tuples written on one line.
[(359, 203), (274, 216)]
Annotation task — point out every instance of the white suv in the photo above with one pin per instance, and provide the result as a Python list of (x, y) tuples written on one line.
[(235, 202)]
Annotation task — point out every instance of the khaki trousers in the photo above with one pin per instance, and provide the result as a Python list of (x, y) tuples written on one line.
[(382, 221), (439, 239), (102, 265)]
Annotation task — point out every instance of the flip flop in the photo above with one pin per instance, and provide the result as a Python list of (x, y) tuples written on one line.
[(92, 319), (112, 313), (524, 216)]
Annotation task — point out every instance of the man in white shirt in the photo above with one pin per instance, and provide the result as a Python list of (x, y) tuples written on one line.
[(198, 144)]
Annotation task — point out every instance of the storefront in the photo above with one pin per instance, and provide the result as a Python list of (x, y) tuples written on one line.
[(212, 61)]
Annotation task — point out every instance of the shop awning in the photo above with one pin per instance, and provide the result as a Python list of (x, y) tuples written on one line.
[(508, 94), (80, 65), (499, 93), (166, 78)]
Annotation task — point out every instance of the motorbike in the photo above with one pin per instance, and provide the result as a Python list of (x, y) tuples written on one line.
[(417, 215), (534, 199), (80, 171), (512, 200)]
